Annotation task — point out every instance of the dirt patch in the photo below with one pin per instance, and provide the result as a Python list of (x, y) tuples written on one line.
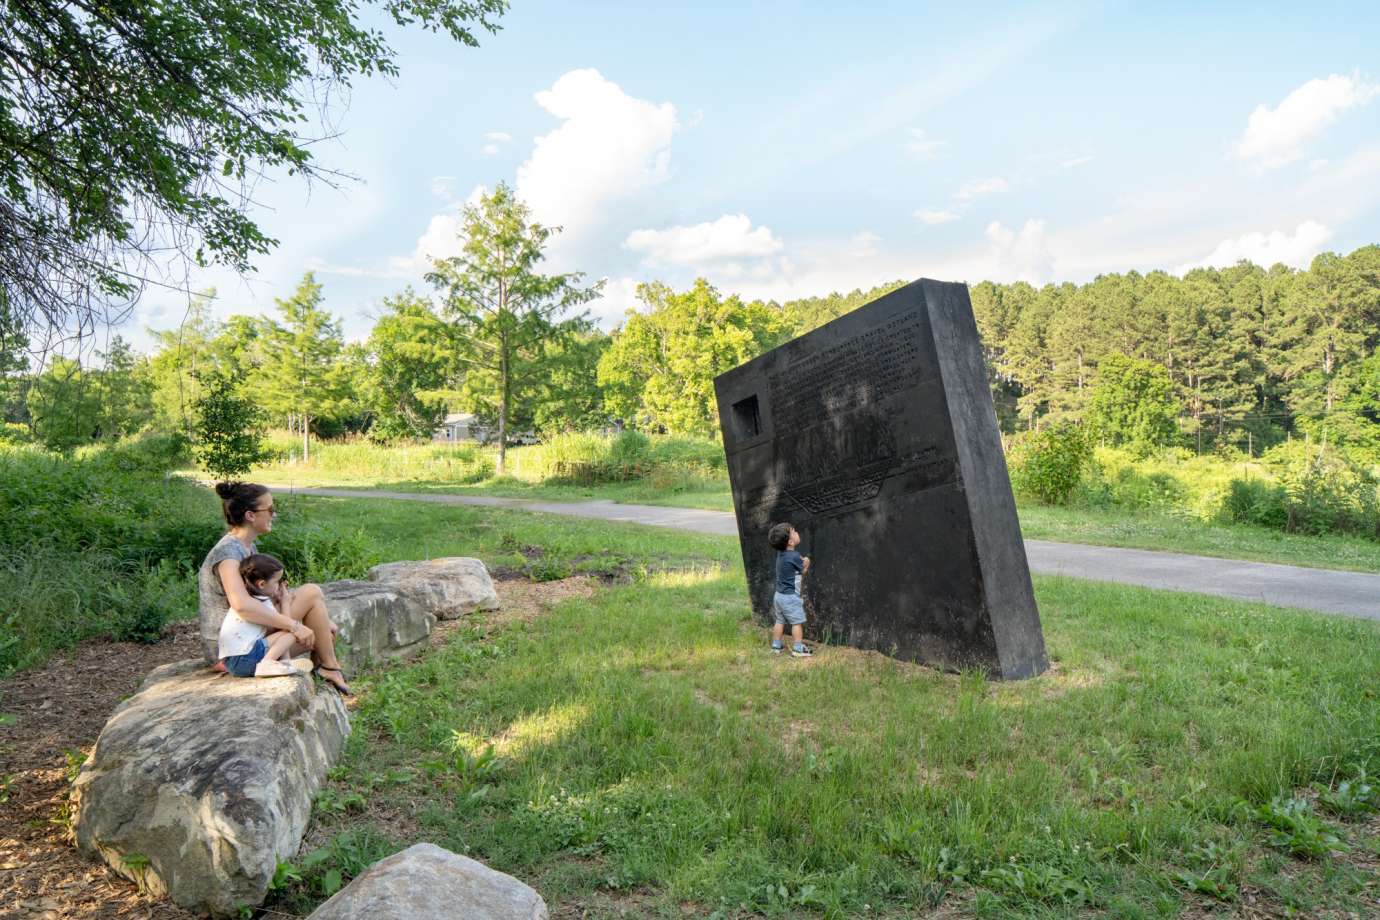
[(60, 707), (524, 601), (797, 733), (704, 699)]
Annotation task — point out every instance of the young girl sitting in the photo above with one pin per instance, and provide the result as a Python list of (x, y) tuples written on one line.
[(248, 649)]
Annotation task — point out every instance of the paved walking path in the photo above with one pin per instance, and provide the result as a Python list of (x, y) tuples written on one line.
[(1352, 593)]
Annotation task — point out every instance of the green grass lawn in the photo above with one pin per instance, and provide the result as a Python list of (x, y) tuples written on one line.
[(639, 751)]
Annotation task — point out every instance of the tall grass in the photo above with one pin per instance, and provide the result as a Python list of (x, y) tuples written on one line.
[(104, 543), (359, 458), (589, 458), (664, 463), (97, 543), (1296, 487)]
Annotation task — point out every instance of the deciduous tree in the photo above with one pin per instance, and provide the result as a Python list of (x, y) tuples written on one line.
[(503, 311), (660, 367)]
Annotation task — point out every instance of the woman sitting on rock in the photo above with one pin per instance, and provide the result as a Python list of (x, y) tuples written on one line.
[(249, 511)]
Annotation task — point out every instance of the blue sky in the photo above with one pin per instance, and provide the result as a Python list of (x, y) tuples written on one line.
[(790, 149)]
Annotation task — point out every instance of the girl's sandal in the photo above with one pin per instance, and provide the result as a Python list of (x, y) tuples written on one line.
[(342, 688)]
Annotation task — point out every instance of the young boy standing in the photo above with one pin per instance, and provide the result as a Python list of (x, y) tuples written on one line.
[(787, 606)]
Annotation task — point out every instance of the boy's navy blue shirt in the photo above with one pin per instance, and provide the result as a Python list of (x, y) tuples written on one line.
[(788, 565)]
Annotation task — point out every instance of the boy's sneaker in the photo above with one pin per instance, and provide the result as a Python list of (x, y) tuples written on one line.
[(801, 651), (776, 648)]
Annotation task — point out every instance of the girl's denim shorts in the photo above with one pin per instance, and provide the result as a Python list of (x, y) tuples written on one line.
[(243, 665)]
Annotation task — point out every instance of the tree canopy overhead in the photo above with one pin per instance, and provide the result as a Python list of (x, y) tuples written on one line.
[(132, 133)]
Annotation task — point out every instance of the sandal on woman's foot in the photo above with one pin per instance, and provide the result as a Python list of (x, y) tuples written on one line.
[(342, 688)]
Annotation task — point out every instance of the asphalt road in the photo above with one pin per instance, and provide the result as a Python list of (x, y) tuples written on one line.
[(1354, 594)]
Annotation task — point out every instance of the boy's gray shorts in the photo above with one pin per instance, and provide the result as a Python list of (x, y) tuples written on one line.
[(787, 608)]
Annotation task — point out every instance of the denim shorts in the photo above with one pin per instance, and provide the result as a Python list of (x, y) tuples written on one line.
[(788, 608), (243, 665)]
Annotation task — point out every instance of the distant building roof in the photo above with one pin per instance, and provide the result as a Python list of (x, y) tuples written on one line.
[(459, 418)]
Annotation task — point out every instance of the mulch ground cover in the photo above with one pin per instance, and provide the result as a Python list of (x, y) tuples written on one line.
[(56, 712)]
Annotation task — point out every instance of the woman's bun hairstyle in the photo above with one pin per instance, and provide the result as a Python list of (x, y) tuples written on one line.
[(238, 497)]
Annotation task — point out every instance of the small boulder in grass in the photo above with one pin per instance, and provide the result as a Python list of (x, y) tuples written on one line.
[(427, 882), (376, 621), (446, 588)]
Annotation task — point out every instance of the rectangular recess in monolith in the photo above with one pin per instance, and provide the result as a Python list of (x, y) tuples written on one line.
[(875, 436)]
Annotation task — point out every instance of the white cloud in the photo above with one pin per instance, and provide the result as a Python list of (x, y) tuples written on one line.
[(489, 150), (923, 147), (862, 246), (1296, 249), (1022, 255), (1075, 162), (498, 137), (438, 241), (1277, 136), (322, 267), (443, 187), (933, 217), (728, 239), (618, 297), (609, 147), (981, 188)]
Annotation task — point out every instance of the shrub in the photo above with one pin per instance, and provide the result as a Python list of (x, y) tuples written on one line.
[(14, 433), (118, 544), (143, 604), (1325, 491), (1046, 465), (56, 597), (317, 554), (229, 428), (1258, 502)]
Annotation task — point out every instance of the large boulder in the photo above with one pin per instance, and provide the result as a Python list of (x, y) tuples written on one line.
[(201, 783), (447, 588), (376, 620), (426, 882)]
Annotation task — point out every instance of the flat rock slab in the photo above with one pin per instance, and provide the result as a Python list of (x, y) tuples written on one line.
[(426, 882), (376, 621), (201, 783), (446, 588)]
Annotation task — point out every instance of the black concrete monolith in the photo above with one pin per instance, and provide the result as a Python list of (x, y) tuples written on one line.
[(875, 437)]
